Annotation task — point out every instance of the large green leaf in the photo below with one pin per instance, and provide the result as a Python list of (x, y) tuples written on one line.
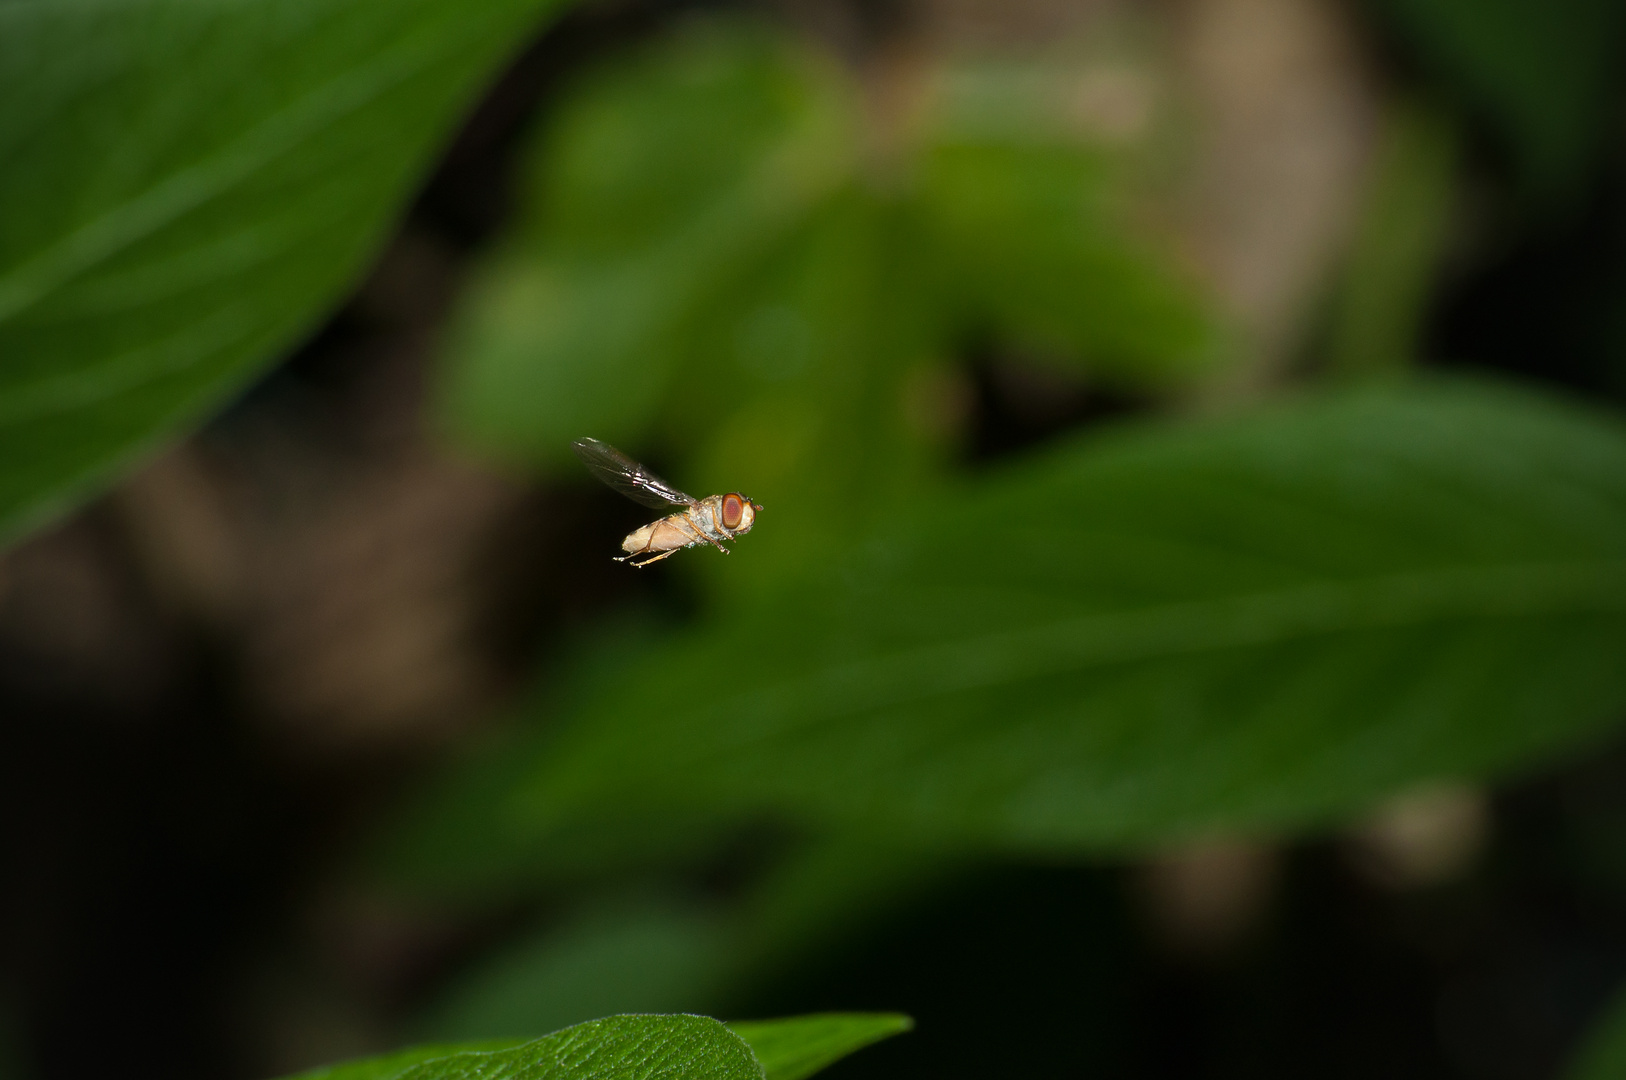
[(641, 1047), (614, 1048), (652, 195), (716, 247), (187, 187), (388, 1066), (801, 1046), (1257, 623)]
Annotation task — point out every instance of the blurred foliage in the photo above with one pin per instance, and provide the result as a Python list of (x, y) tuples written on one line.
[(648, 1047), (735, 252), (1378, 310), (671, 952), (614, 958), (726, 246), (161, 238), (1544, 74), (1132, 639), (730, 250)]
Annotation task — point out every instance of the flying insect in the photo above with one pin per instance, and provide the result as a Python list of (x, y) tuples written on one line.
[(711, 520)]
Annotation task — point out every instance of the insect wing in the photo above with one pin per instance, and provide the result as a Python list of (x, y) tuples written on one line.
[(627, 476)]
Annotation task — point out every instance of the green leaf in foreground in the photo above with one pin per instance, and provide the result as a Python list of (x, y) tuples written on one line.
[(187, 187), (614, 1048), (1256, 623), (641, 1047), (801, 1046), (388, 1066)]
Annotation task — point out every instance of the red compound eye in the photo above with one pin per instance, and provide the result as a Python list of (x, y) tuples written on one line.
[(733, 511)]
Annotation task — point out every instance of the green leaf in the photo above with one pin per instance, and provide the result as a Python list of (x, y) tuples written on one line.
[(1603, 1054), (801, 1046), (614, 1048), (187, 188), (801, 393), (657, 191), (711, 252), (387, 1066), (1027, 242), (1027, 191), (1258, 623), (1378, 312), (641, 1047)]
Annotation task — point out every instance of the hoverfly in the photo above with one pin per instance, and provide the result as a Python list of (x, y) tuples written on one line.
[(701, 521)]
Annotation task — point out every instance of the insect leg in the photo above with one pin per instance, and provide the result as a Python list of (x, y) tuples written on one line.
[(656, 558), (709, 540), (694, 531)]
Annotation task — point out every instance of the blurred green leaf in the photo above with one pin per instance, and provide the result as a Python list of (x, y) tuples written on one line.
[(1603, 1054), (187, 187), (386, 1066), (1258, 623), (1546, 73), (717, 255), (1378, 313), (651, 957), (829, 428), (614, 1048), (1026, 244), (724, 113), (641, 1047), (648, 958), (830, 886), (799, 1047), (657, 191), (645, 955)]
